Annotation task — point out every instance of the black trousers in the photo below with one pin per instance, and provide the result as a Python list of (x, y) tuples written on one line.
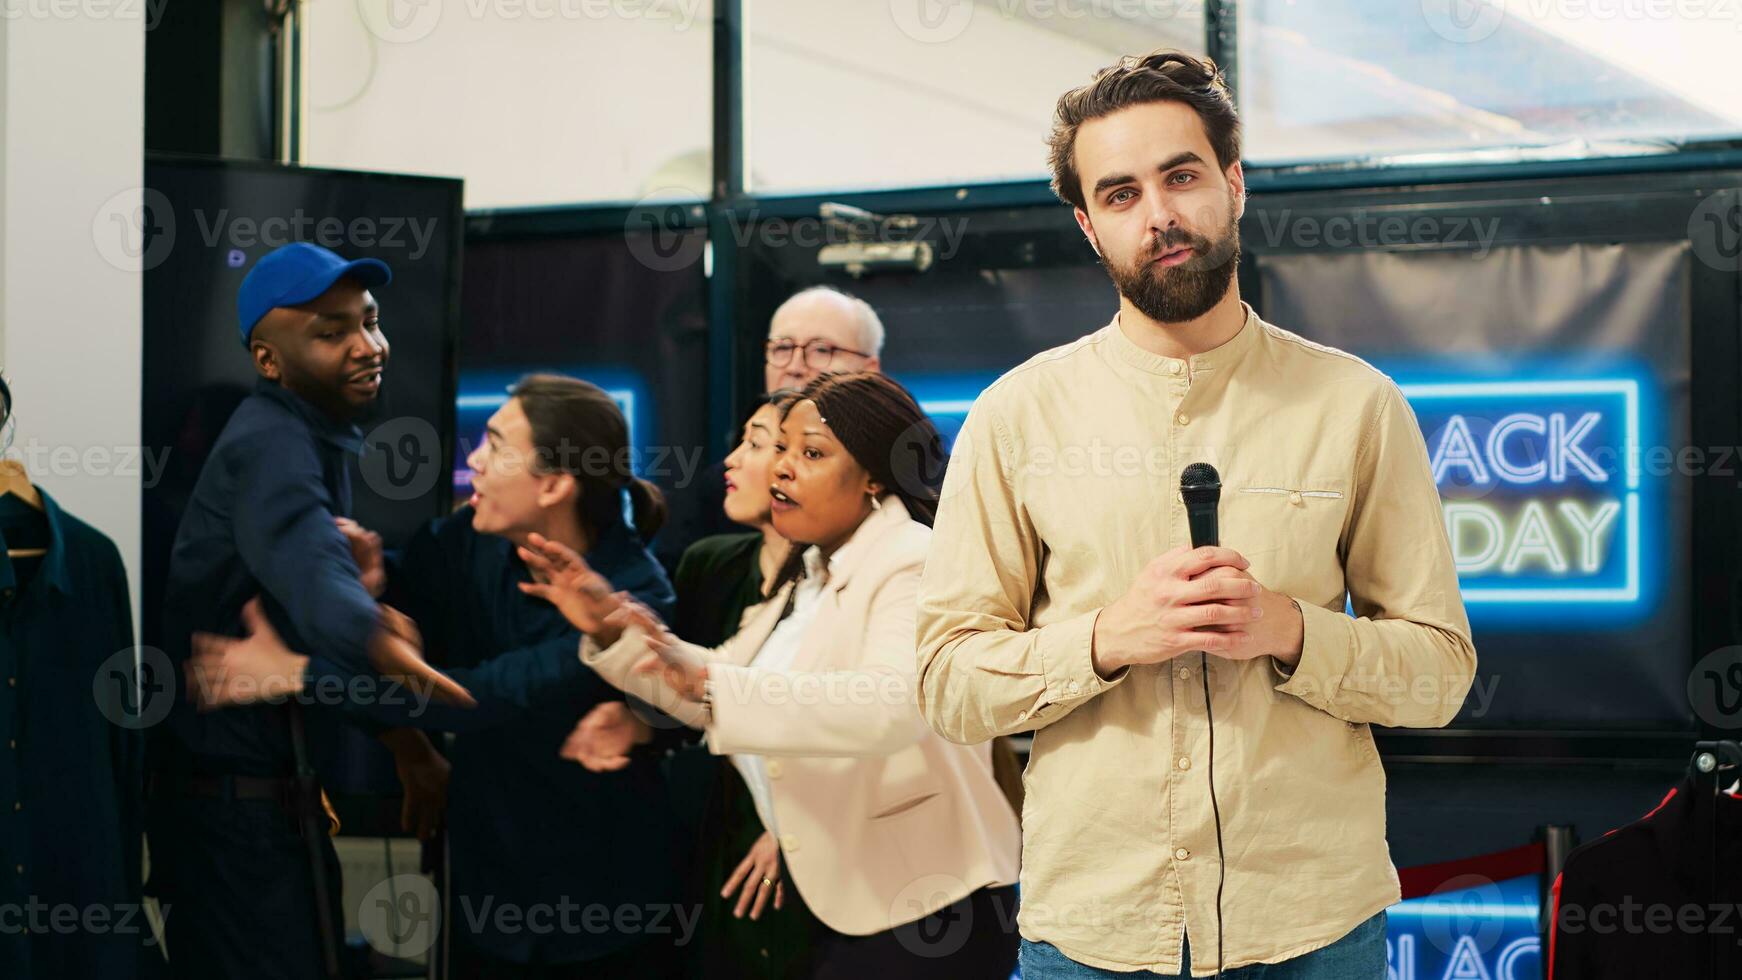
[(236, 889), (655, 959), (974, 939)]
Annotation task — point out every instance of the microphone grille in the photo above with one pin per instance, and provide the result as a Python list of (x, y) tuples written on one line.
[(1199, 475)]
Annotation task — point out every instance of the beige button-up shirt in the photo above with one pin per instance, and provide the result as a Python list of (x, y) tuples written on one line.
[(1064, 483)]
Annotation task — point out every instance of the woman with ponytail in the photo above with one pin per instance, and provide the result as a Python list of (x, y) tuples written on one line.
[(530, 835), (527, 829), (899, 843)]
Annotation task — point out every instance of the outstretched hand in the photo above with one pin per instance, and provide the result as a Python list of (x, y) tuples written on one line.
[(226, 671), (565, 580), (366, 551), (396, 653), (604, 738)]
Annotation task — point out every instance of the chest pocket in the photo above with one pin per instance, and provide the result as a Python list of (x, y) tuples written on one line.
[(1289, 529)]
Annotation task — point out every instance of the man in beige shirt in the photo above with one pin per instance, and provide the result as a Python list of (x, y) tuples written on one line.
[(1061, 595)]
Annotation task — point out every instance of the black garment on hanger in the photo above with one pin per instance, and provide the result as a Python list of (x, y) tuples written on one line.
[(1656, 898), (71, 754)]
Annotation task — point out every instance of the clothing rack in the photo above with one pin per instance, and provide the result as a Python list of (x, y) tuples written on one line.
[(1711, 757)]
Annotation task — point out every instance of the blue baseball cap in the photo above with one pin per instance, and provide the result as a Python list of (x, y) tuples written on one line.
[(296, 273)]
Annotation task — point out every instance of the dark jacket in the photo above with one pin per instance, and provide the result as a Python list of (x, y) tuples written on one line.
[(533, 834)]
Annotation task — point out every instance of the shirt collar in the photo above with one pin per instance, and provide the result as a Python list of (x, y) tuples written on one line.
[(1225, 356), (54, 564), (344, 435)]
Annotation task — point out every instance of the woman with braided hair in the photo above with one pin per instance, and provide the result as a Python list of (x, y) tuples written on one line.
[(899, 843)]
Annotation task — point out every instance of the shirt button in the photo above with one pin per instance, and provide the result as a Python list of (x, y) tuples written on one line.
[(1183, 419), (1182, 854), (1294, 496), (789, 843), (1185, 672), (1184, 763), (774, 768), (1179, 495), (1072, 688), (1174, 367)]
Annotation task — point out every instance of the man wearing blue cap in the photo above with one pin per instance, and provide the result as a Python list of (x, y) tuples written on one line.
[(239, 847)]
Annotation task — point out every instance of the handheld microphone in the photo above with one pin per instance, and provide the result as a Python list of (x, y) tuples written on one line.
[(1201, 488)]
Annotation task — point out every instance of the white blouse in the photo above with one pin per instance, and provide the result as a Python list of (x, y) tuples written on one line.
[(778, 653)]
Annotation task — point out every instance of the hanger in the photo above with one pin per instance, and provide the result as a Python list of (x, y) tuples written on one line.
[(13, 479), (1719, 761)]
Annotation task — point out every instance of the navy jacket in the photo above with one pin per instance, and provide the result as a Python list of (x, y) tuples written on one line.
[(532, 834), (260, 522), (71, 774)]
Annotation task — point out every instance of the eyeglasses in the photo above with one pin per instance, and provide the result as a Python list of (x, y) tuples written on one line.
[(818, 354)]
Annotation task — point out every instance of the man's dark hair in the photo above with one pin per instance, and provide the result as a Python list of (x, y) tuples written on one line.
[(1163, 76)]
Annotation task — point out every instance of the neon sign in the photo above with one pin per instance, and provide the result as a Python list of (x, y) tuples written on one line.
[(1540, 482)]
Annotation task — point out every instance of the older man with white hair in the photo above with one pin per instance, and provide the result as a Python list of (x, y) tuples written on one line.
[(817, 330)]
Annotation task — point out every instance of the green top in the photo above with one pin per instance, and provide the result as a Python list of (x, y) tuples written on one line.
[(718, 578)]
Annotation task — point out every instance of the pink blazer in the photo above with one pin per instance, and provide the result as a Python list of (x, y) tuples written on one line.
[(881, 820)]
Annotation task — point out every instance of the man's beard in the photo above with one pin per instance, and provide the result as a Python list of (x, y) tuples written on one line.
[(1185, 291)]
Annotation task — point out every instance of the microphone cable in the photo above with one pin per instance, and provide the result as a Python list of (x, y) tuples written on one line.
[(1215, 808)]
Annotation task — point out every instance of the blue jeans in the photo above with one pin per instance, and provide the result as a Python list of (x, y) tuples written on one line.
[(1360, 955)]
